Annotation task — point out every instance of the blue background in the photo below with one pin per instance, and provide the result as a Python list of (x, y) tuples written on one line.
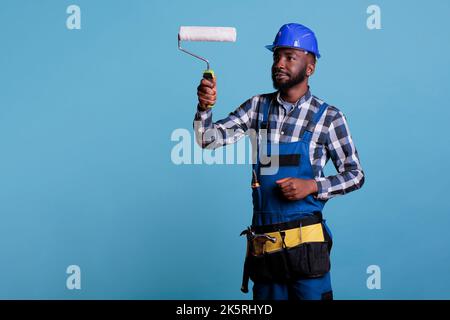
[(86, 118)]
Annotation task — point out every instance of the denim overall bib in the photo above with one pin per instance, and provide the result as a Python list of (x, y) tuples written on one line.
[(271, 207)]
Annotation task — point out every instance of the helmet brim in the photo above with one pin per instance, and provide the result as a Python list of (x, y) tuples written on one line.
[(272, 48)]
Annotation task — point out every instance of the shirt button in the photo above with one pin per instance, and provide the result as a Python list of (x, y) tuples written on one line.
[(282, 132)]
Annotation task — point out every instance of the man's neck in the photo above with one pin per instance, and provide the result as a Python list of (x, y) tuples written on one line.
[(292, 95)]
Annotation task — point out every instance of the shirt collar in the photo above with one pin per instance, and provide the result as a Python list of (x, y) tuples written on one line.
[(288, 105)]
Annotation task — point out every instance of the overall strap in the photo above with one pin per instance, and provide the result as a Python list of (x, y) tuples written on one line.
[(264, 108), (307, 135), (266, 111)]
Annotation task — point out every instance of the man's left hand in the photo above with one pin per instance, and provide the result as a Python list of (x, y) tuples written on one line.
[(297, 189)]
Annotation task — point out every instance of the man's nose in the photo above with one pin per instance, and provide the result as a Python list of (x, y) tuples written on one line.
[(279, 64)]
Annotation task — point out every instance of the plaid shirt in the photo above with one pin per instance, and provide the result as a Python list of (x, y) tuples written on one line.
[(331, 137)]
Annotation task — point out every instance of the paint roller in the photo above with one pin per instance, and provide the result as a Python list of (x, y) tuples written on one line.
[(223, 34)]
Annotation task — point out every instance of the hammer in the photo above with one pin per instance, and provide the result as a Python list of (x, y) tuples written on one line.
[(251, 236)]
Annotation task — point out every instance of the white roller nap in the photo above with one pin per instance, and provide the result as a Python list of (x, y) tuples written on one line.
[(207, 34)]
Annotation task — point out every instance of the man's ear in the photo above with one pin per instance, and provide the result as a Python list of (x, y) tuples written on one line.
[(311, 64), (310, 68)]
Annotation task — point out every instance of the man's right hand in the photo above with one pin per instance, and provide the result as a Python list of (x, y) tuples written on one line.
[(206, 93)]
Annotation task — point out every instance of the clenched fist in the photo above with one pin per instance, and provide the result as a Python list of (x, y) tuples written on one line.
[(296, 188), (206, 93)]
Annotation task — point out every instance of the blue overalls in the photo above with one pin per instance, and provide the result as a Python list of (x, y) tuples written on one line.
[(270, 207)]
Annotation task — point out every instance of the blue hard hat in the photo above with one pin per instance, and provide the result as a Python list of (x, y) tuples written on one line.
[(297, 36)]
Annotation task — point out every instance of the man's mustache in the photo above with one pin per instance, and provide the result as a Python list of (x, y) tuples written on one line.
[(279, 72)]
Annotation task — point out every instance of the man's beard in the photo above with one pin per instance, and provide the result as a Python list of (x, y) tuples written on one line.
[(292, 81)]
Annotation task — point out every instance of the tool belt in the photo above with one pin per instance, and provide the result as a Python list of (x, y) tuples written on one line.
[(288, 251)]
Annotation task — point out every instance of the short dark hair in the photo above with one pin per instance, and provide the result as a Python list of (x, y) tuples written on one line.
[(313, 55)]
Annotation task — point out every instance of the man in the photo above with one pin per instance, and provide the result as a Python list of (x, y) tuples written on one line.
[(289, 243)]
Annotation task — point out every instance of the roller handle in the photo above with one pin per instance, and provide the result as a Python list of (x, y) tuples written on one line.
[(209, 75)]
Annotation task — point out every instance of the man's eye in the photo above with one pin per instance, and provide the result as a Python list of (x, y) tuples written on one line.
[(291, 58)]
